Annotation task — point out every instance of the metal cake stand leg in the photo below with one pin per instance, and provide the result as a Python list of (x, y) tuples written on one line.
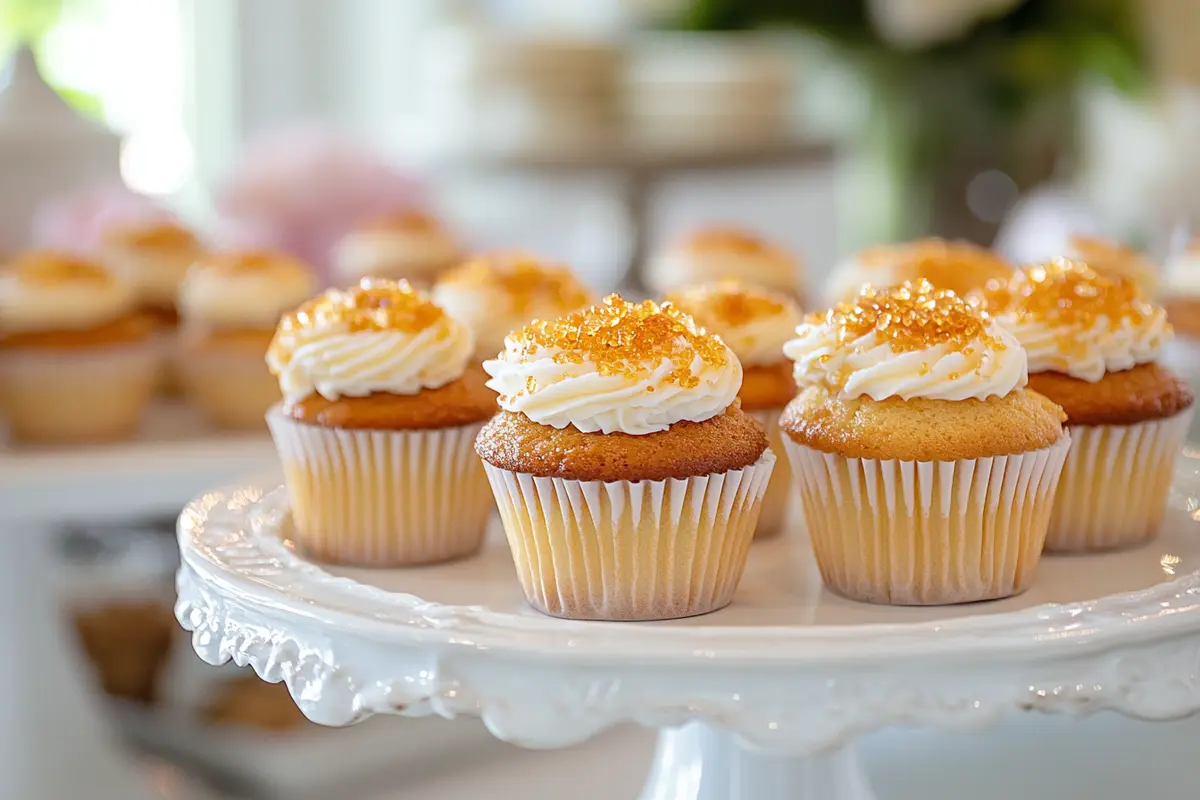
[(700, 762), (54, 742)]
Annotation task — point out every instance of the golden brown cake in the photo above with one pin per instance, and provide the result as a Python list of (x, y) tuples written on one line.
[(1093, 342), (377, 425), (910, 433), (755, 323), (721, 252), (407, 244), (230, 303), (620, 425), (496, 293), (959, 267), (1114, 260), (78, 362)]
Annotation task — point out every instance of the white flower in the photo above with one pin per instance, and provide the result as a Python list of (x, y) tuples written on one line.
[(913, 24)]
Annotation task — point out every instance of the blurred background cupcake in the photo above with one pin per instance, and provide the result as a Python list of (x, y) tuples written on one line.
[(755, 324), (230, 304), (958, 266), (718, 252), (78, 361), (154, 256), (1115, 260), (495, 294), (408, 244), (1181, 299)]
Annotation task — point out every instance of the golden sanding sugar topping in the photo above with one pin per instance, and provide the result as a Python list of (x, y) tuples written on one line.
[(947, 265), (246, 262), (522, 279), (155, 235), (53, 268), (729, 302), (727, 239), (410, 220), (1070, 294), (912, 316), (624, 338)]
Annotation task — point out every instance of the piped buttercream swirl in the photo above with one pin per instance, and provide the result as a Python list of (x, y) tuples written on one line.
[(755, 323), (48, 291), (244, 289)]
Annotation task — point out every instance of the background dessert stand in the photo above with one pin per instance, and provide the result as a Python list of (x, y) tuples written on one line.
[(762, 700)]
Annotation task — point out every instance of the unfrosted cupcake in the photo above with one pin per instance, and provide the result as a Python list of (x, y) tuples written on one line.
[(376, 427), (498, 293), (1114, 260), (410, 245), (720, 252), (628, 478), (78, 363), (1093, 344), (755, 324), (957, 266), (230, 304), (926, 470), (155, 257)]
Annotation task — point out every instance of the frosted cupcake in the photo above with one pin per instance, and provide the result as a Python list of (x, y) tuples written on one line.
[(499, 293), (78, 363), (926, 470), (718, 253), (155, 257), (1181, 299), (1114, 260), (755, 324), (960, 267), (628, 478), (376, 427), (409, 245), (230, 304), (1093, 344)]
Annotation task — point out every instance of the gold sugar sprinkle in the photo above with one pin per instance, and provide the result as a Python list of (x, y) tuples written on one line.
[(155, 235), (1068, 294), (958, 266), (728, 238), (248, 261), (912, 316), (407, 219), (624, 338), (53, 268), (374, 305), (728, 303), (523, 280)]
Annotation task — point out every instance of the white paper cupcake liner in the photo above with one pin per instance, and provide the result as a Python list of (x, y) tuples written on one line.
[(78, 395), (779, 491), (927, 532), (631, 550), (383, 498), (233, 389), (1114, 487)]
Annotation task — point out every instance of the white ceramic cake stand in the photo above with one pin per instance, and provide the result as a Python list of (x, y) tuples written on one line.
[(760, 701)]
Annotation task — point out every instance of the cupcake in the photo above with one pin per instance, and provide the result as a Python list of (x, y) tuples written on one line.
[(1114, 260), (409, 244), (495, 294), (957, 266), (755, 324), (376, 427), (230, 304), (926, 470), (1181, 299), (78, 363), (1093, 344), (628, 478), (155, 257), (716, 253)]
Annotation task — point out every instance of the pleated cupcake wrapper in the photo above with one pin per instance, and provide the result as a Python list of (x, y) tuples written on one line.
[(70, 396), (927, 532), (383, 498), (233, 389), (631, 550), (779, 490), (1114, 487)]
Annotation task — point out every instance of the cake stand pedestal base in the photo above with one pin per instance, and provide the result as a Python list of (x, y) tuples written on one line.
[(700, 762)]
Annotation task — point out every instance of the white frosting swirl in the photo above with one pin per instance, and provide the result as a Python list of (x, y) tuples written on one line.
[(253, 297), (577, 394), (757, 332), (334, 359), (1181, 276), (1087, 353), (868, 366), (416, 255), (70, 304)]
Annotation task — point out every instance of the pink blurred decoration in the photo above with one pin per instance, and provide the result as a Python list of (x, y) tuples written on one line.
[(302, 190), (77, 220)]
